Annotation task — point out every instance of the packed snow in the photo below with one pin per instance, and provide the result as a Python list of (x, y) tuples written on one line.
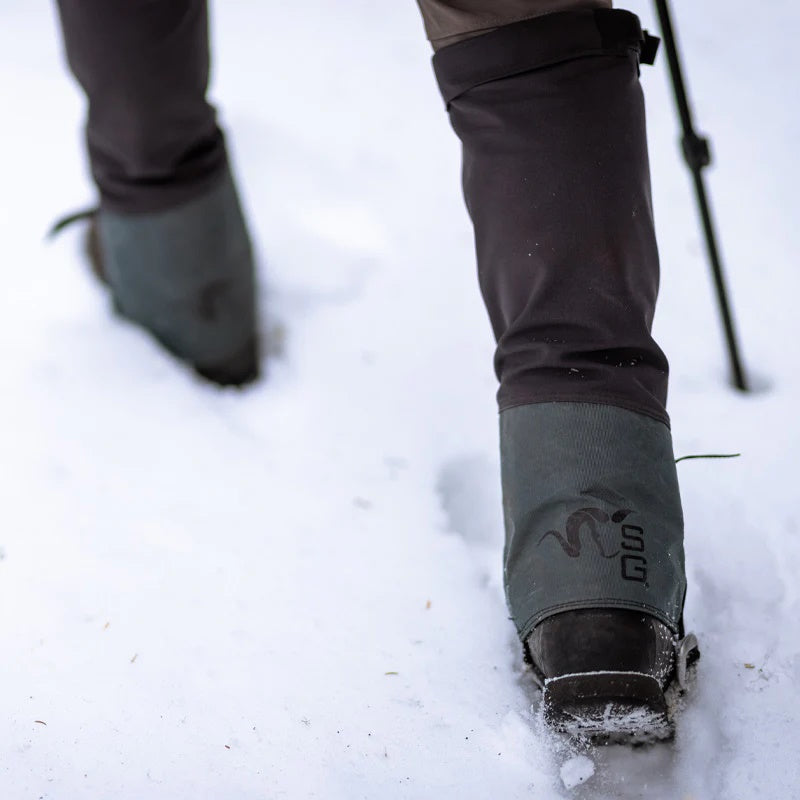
[(295, 590)]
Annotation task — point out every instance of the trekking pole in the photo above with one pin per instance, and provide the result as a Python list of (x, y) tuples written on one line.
[(697, 152)]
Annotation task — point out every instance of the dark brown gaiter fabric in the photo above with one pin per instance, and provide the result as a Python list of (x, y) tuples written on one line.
[(153, 139), (556, 179)]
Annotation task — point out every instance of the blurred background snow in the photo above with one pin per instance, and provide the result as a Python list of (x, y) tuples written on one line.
[(295, 590)]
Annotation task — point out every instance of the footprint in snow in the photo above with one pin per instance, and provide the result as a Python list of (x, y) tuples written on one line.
[(469, 490)]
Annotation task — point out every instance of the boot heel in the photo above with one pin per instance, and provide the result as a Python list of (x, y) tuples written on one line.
[(608, 707)]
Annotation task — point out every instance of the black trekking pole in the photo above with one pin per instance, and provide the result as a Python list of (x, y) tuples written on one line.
[(697, 153)]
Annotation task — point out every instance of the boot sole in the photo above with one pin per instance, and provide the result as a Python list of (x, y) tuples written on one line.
[(238, 370), (609, 708)]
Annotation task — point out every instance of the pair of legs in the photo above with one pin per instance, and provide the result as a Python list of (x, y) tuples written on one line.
[(545, 97)]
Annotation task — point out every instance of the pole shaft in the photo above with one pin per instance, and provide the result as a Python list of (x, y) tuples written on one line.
[(696, 152)]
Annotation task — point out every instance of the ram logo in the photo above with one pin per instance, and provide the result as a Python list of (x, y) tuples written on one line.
[(593, 522)]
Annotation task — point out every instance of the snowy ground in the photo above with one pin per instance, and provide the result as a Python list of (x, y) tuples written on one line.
[(295, 591)]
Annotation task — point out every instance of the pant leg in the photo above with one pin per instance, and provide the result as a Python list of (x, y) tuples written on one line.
[(550, 115), (450, 21), (557, 183), (152, 137)]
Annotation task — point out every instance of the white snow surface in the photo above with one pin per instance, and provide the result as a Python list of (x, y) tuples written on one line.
[(576, 770), (294, 591)]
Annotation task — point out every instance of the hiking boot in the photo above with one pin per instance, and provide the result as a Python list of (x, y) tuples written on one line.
[(594, 568), (610, 675)]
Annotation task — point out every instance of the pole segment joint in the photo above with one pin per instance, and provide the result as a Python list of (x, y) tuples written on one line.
[(696, 151)]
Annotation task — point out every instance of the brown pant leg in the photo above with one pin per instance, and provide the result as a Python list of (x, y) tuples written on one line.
[(551, 119), (450, 21), (152, 137)]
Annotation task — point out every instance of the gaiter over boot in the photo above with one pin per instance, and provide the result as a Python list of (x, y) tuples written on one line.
[(556, 180), (186, 275), (169, 237)]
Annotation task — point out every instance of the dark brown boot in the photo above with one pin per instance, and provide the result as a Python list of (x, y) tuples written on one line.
[(610, 675)]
